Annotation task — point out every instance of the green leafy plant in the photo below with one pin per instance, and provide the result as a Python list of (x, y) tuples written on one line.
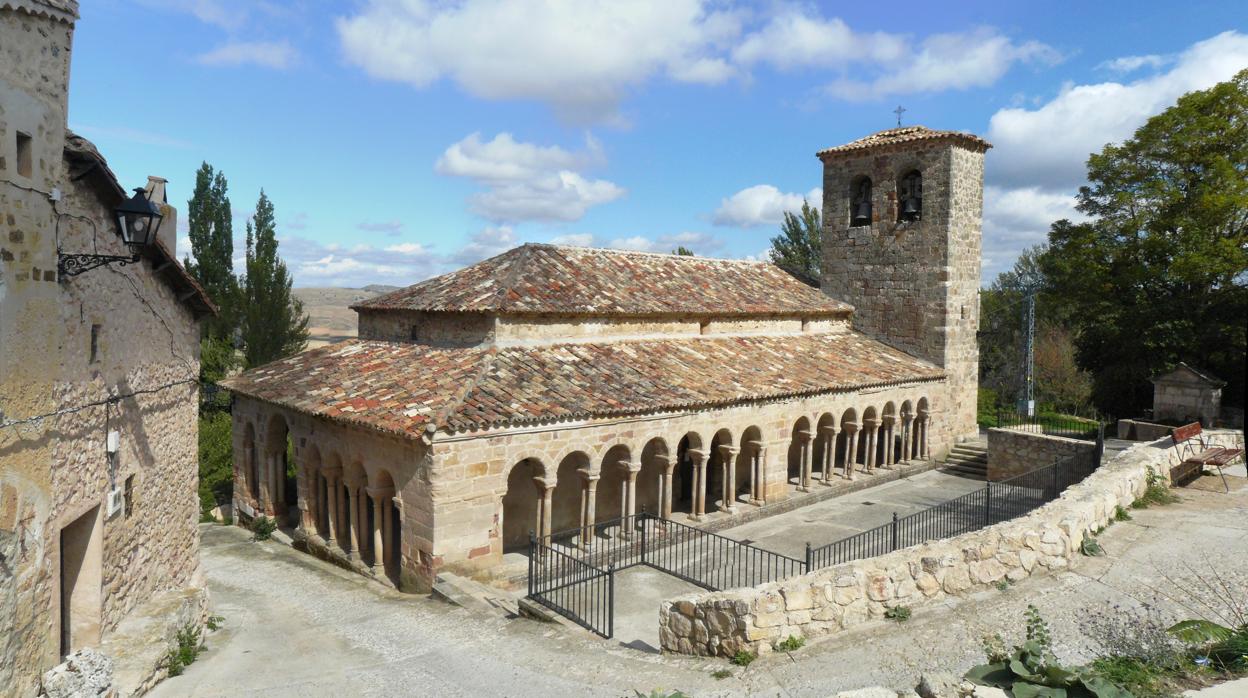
[(215, 622), (721, 673), (262, 528), (743, 658), (660, 693), (1157, 493), (185, 651), (900, 614), (1003, 584), (1031, 670), (791, 643), (1091, 547), (1121, 514)]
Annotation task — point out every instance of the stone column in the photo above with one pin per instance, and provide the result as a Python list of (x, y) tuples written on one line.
[(851, 448), (923, 419), (353, 520), (829, 454), (803, 480), (906, 426), (668, 485), (379, 495), (331, 503), (699, 484), (872, 428), (758, 495), (589, 498), (729, 454), (630, 497)]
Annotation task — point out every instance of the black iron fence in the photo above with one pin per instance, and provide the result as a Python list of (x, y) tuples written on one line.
[(994, 503), (573, 572), (1069, 426)]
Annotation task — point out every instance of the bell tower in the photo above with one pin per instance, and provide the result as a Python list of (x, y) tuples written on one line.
[(902, 229)]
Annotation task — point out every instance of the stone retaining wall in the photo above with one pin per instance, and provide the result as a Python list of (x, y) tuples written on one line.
[(1016, 450), (838, 598), (1137, 430)]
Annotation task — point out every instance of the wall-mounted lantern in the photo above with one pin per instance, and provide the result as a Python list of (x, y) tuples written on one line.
[(138, 220)]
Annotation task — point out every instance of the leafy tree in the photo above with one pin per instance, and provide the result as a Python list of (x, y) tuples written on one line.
[(273, 322), (1159, 275), (798, 247), (683, 251), (211, 230), (216, 462)]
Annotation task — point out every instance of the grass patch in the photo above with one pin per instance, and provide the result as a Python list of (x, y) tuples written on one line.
[(1143, 679), (721, 674), (901, 614), (1003, 584), (1121, 514), (791, 643), (1157, 493), (743, 658)]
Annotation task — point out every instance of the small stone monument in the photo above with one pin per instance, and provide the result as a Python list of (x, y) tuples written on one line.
[(1185, 394)]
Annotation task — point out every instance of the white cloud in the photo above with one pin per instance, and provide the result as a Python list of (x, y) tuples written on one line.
[(956, 61), (1015, 219), (762, 204), (527, 182), (317, 264), (387, 227), (1130, 64), (699, 242), (574, 240), (277, 55), (486, 243), (1049, 146), (793, 40), (578, 57)]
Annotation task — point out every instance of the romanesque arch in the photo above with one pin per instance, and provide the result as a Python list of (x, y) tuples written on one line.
[(383, 526), (846, 446), (335, 502), (688, 475), (522, 504), (718, 478), (749, 464), (866, 443), (888, 440), (799, 453), (251, 465), (652, 479), (825, 446), (616, 474), (283, 486), (312, 485), (921, 418), (354, 481), (570, 493)]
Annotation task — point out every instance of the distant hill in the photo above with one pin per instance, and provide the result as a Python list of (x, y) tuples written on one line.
[(330, 318)]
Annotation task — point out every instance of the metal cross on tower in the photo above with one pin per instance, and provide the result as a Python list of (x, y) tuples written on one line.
[(899, 111)]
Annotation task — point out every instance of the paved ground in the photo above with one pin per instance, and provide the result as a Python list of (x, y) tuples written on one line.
[(297, 627)]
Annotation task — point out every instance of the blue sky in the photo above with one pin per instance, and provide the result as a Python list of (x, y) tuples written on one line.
[(400, 139)]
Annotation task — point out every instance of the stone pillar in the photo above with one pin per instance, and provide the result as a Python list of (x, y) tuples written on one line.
[(331, 503), (353, 520), (379, 495), (829, 454), (729, 454), (547, 495), (872, 428), (906, 426), (923, 420), (589, 498), (630, 497), (758, 494), (667, 489), (699, 484), (851, 448), (803, 480)]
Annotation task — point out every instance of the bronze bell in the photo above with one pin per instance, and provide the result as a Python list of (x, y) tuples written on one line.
[(862, 212), (910, 208)]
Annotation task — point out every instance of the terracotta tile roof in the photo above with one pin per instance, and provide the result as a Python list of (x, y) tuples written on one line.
[(537, 278), (404, 388), (906, 134)]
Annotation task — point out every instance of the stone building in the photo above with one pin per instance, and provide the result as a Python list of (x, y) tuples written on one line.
[(551, 389), (1185, 394), (94, 528)]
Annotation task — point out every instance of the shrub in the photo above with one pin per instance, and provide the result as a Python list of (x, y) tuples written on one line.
[(1004, 584), (215, 622), (900, 614), (185, 651), (1091, 547), (743, 658), (791, 643), (262, 528), (1121, 514), (216, 460), (1157, 493)]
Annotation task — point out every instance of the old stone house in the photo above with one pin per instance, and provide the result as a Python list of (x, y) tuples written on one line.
[(552, 388), (98, 392), (1185, 394)]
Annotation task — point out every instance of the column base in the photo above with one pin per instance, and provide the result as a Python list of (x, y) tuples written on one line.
[(803, 488)]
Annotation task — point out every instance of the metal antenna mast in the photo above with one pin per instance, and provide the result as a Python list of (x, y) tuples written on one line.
[(1028, 401)]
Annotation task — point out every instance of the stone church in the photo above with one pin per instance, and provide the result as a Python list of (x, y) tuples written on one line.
[(550, 388)]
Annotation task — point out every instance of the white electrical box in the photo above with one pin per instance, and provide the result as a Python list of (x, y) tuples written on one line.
[(114, 441), (116, 502)]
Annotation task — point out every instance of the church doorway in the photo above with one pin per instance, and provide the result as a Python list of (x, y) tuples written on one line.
[(81, 582)]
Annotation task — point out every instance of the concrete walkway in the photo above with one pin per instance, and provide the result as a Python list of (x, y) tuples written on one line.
[(297, 627)]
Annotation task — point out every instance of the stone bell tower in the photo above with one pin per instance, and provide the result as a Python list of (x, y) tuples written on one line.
[(902, 216)]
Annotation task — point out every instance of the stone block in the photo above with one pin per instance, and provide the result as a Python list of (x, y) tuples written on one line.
[(797, 598), (956, 580)]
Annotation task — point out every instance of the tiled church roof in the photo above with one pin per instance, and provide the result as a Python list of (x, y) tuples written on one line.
[(906, 134), (537, 278), (405, 388)]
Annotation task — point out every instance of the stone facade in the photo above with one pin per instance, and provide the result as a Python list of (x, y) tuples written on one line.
[(839, 598), (914, 283), (1017, 450), (115, 349), (1186, 394)]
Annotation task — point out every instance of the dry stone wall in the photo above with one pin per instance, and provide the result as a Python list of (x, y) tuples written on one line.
[(838, 598), (1017, 450)]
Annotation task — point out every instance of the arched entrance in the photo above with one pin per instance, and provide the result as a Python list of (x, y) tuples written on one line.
[(520, 504)]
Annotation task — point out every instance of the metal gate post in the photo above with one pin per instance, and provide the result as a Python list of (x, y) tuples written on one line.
[(894, 530), (532, 553), (610, 601), (987, 505), (810, 563), (1056, 486), (643, 518)]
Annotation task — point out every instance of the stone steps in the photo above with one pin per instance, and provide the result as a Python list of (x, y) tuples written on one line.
[(474, 595), (969, 459)]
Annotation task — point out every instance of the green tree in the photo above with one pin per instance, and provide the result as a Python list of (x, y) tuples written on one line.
[(211, 230), (1159, 274), (797, 248), (273, 322), (683, 251)]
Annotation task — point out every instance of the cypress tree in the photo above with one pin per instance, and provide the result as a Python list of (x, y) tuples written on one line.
[(211, 230), (273, 322)]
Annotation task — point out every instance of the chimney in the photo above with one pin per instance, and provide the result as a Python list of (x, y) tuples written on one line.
[(168, 233)]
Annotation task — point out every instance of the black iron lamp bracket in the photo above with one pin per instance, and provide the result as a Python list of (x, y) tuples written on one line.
[(75, 264)]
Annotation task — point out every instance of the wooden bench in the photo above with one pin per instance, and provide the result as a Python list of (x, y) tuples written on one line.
[(1195, 453)]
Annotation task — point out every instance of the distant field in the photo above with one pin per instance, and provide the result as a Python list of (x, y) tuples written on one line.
[(330, 318)]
